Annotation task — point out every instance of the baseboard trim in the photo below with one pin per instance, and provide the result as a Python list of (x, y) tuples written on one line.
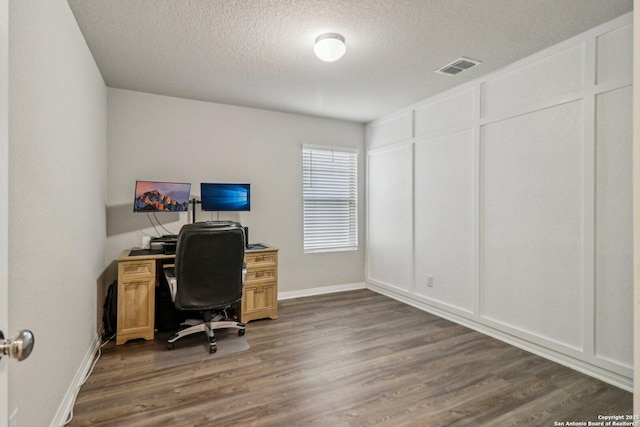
[(321, 290), (586, 368), (70, 396)]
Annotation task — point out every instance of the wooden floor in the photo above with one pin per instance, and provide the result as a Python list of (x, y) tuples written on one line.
[(346, 359)]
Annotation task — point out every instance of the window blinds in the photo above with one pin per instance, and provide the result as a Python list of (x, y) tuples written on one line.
[(330, 199)]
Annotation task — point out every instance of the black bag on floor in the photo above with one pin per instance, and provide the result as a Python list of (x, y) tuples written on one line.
[(110, 312)]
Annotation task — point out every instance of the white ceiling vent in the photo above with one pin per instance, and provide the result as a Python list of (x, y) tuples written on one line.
[(457, 66)]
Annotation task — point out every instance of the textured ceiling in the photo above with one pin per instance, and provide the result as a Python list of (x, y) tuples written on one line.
[(259, 53)]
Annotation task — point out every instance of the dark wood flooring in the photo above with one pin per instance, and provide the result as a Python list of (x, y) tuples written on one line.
[(346, 359)]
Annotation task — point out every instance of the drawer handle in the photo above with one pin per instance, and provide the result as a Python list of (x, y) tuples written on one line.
[(136, 268), (136, 283)]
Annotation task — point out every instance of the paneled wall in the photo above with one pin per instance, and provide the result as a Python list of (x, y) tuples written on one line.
[(505, 204)]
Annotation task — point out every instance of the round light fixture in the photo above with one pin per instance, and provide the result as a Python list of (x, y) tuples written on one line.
[(329, 47)]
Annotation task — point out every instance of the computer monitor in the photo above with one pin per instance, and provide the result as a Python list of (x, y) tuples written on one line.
[(225, 197), (154, 196)]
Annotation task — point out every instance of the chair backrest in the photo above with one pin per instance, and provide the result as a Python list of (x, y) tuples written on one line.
[(208, 265)]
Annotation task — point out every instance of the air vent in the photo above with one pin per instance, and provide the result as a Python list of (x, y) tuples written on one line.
[(457, 66)]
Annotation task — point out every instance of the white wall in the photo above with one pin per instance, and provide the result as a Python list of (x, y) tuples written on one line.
[(57, 177), (517, 190), (161, 138), (4, 194), (636, 205)]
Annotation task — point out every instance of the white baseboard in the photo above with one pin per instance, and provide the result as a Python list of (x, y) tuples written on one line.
[(321, 290), (618, 380), (70, 396)]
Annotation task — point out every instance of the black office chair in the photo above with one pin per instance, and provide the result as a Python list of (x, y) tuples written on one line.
[(208, 276)]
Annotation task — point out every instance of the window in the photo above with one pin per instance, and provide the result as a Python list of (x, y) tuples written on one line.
[(330, 198)]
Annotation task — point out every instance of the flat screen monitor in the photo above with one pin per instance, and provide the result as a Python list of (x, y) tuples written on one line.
[(153, 196), (225, 197)]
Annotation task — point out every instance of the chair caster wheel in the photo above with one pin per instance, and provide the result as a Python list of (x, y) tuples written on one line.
[(213, 348), (240, 332), (170, 346)]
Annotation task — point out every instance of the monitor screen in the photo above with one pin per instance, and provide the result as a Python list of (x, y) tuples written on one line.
[(154, 196), (225, 197)]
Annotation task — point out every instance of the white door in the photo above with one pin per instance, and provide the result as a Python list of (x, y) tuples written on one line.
[(4, 208)]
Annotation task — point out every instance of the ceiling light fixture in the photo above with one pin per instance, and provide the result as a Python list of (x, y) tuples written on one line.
[(329, 47)]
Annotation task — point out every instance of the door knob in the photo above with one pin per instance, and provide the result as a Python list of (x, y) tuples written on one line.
[(18, 348)]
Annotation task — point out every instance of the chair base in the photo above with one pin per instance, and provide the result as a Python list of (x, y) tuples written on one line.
[(208, 328)]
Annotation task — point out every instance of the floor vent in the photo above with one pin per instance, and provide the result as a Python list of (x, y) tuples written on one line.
[(457, 66)]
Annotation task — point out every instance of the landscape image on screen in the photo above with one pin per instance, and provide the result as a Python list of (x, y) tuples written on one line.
[(154, 196)]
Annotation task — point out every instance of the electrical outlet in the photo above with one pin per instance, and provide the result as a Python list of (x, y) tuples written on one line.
[(430, 281)]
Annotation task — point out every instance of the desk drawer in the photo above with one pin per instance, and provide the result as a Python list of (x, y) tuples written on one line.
[(261, 274), (260, 301), (268, 259), (128, 269)]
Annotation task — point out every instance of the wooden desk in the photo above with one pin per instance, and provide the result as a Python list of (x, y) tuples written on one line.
[(138, 277)]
